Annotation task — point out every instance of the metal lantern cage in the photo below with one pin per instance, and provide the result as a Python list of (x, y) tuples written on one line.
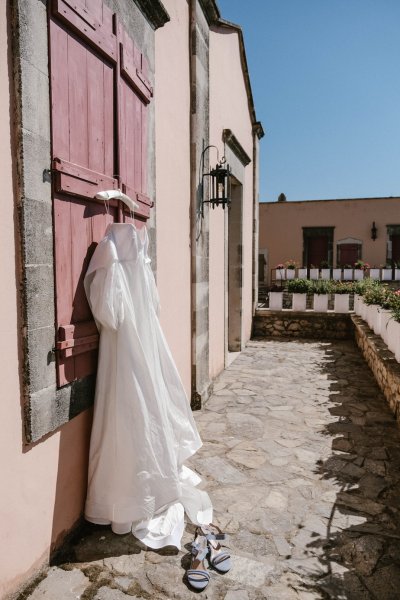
[(220, 184)]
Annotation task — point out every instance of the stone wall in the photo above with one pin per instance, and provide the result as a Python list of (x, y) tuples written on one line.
[(381, 361), (306, 325)]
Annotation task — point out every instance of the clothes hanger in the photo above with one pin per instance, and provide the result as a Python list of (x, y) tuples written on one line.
[(118, 195)]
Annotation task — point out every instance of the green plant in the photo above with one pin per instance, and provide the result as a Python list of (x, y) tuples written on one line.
[(376, 294), (341, 287), (361, 287), (291, 264), (298, 286), (360, 264), (321, 286), (324, 264)]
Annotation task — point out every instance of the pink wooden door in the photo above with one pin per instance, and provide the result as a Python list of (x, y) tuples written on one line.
[(90, 154), (349, 254), (395, 249), (317, 250)]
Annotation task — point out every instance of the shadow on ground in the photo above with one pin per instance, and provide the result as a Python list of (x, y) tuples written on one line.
[(361, 548)]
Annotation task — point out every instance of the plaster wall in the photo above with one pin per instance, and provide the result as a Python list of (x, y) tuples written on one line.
[(172, 115), (42, 486), (229, 110), (281, 226)]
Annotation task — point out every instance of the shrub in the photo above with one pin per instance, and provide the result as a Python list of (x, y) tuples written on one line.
[(298, 286), (376, 294), (321, 286), (341, 287), (361, 287)]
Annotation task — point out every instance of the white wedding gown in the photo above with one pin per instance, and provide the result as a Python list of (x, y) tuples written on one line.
[(143, 429)]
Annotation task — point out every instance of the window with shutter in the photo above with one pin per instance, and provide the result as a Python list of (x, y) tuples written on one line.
[(99, 97)]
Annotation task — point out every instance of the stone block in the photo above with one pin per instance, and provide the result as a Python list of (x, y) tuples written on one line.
[(35, 100), (36, 158), (32, 33), (40, 344), (39, 288), (68, 585), (46, 414), (38, 232), (106, 593)]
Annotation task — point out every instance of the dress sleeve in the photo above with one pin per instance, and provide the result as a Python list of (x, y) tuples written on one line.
[(104, 288), (106, 298)]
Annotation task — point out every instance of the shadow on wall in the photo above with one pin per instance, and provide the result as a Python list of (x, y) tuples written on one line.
[(360, 550)]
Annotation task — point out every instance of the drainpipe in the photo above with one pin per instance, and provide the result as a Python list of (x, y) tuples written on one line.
[(195, 400)]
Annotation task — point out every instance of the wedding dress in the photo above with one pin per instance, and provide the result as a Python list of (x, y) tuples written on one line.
[(143, 429)]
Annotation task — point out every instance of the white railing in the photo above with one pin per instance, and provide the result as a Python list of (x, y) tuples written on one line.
[(339, 274)]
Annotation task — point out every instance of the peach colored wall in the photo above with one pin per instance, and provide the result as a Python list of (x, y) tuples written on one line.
[(228, 110), (281, 225), (42, 487), (172, 93)]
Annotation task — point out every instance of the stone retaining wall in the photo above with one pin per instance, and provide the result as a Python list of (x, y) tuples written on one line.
[(381, 361), (306, 325)]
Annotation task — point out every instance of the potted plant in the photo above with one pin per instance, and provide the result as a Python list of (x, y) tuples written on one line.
[(360, 288), (302, 273), (275, 297), (299, 288), (337, 274), (397, 271), (387, 273), (384, 314), (393, 326), (314, 272), (374, 296), (375, 273), (321, 291), (290, 269), (342, 293), (359, 269), (325, 270), (280, 272), (347, 273)]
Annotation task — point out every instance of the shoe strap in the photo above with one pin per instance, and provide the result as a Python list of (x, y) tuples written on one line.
[(199, 552), (218, 536)]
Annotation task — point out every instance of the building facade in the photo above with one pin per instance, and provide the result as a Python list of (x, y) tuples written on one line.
[(103, 94), (330, 233)]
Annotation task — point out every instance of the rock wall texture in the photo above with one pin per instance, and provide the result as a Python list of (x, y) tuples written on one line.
[(381, 361), (321, 326)]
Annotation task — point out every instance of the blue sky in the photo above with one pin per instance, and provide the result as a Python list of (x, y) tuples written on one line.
[(325, 77)]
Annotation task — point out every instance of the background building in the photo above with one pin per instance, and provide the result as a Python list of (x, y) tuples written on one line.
[(329, 233)]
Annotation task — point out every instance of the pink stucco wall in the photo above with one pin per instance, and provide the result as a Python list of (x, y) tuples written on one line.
[(42, 487), (172, 107), (228, 110), (281, 225)]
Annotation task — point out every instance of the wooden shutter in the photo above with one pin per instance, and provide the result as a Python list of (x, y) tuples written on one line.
[(99, 96)]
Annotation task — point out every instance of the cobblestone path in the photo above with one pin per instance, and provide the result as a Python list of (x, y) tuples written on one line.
[(301, 457)]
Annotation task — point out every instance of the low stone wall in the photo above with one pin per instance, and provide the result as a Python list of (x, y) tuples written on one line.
[(306, 325), (381, 361)]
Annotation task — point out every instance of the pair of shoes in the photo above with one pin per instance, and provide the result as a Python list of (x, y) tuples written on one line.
[(207, 541)]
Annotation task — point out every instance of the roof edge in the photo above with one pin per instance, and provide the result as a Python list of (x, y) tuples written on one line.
[(331, 200), (154, 11)]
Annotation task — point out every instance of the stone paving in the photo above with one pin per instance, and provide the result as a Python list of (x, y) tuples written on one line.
[(301, 457)]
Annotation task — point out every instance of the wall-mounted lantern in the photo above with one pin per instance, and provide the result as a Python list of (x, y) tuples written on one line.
[(374, 231), (220, 184)]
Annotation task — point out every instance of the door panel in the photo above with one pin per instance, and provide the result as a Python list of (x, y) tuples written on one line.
[(98, 115), (317, 250), (348, 254), (395, 239)]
